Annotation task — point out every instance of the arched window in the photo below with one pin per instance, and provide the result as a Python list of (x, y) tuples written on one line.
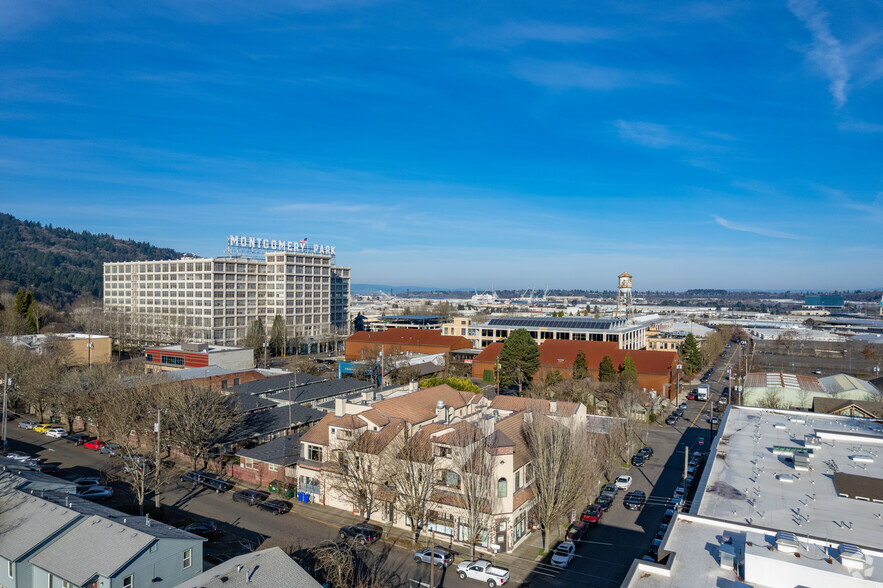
[(502, 488)]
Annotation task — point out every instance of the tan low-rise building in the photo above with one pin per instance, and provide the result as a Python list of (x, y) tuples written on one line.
[(77, 348)]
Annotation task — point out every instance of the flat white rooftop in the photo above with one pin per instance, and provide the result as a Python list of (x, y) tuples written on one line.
[(697, 546)]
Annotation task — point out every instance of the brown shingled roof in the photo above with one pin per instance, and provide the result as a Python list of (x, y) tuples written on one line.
[(519, 403), (419, 406), (511, 427), (412, 337)]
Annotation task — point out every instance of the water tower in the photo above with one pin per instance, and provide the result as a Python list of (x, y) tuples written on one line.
[(624, 303)]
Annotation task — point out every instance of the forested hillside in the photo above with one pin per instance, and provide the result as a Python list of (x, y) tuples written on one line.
[(58, 265)]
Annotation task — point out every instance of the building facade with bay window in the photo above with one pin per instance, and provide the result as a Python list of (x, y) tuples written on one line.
[(443, 429)]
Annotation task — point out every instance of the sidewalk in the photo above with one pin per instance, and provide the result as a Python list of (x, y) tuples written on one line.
[(520, 562)]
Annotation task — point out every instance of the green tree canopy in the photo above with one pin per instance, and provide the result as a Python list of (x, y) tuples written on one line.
[(580, 369), (519, 359), (606, 372), (461, 384), (691, 355), (628, 366), (553, 378), (23, 300)]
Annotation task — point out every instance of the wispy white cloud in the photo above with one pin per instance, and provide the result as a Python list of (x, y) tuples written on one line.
[(513, 34), (560, 75), (651, 135), (872, 209), (858, 126), (826, 50), (755, 230)]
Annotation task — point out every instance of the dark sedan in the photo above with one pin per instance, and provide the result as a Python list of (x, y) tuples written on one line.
[(635, 500), (638, 460), (251, 497), (275, 506), (205, 529)]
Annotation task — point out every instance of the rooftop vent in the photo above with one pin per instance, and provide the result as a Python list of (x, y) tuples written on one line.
[(440, 405), (812, 440), (862, 458), (727, 556), (786, 542), (852, 557), (787, 478)]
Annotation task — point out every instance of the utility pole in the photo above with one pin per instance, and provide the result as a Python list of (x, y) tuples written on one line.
[(686, 459), (156, 473), (5, 386), (432, 557)]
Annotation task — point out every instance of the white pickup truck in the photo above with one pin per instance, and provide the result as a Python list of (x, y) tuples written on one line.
[(483, 571)]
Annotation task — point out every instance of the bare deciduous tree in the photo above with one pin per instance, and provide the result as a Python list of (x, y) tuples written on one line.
[(560, 451), (196, 418), (363, 466), (414, 478), (474, 465)]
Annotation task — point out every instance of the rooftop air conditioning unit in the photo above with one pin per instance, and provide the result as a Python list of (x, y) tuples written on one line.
[(786, 542), (812, 441), (852, 557)]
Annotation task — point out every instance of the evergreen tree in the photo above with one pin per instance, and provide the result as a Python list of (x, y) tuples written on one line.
[(277, 336), (628, 367), (553, 378), (580, 369), (691, 355), (606, 372), (23, 300), (519, 359), (255, 338)]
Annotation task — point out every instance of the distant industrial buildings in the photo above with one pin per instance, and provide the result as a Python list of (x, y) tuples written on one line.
[(784, 390), (215, 300), (625, 333)]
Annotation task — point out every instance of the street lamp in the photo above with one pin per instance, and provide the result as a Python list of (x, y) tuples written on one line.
[(679, 367), (266, 347)]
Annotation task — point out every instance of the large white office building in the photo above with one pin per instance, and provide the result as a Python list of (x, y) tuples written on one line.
[(215, 300)]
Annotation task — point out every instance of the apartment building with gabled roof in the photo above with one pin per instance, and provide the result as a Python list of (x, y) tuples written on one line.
[(437, 426)]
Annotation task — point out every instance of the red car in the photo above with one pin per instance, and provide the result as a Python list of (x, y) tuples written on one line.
[(94, 444), (593, 514)]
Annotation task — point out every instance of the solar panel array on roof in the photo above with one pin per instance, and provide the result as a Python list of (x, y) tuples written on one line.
[(557, 323)]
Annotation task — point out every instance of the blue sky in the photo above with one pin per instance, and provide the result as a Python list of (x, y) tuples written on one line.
[(462, 144)]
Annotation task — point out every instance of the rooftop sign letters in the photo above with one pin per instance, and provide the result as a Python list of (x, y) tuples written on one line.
[(278, 245)]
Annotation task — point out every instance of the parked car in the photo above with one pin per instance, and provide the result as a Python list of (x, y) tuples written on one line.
[(563, 554), (683, 406), (110, 449), (576, 531), (817, 372), (250, 497), (654, 548), (84, 481), (363, 533), (78, 438), (205, 529), (56, 432), (623, 482), (592, 515), (95, 492), (678, 413), (671, 420), (638, 460), (46, 468), (275, 506), (660, 531), (691, 396), (715, 421), (43, 427), (208, 480), (646, 451), (483, 571), (609, 490), (94, 444), (635, 500), (669, 514), (437, 556), (27, 424), (604, 503)]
